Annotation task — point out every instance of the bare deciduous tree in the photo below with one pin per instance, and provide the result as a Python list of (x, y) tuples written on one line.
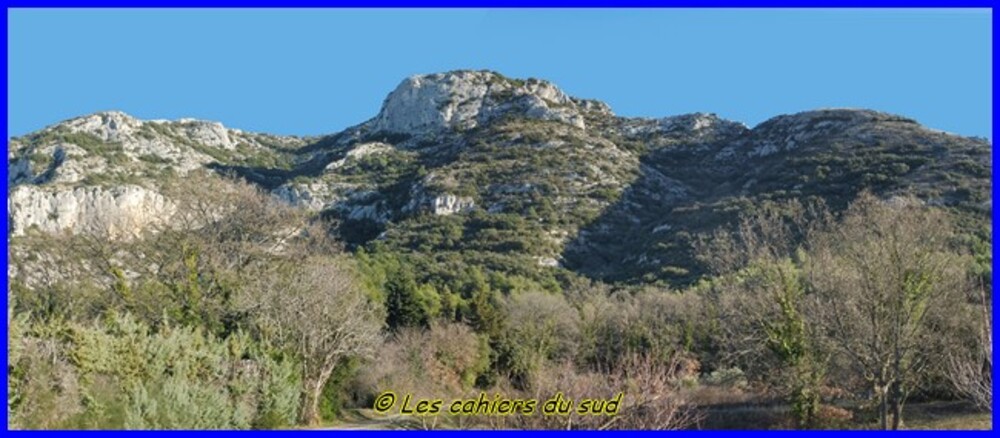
[(655, 401), (762, 297), (314, 308), (652, 397), (970, 370), (873, 291), (882, 276)]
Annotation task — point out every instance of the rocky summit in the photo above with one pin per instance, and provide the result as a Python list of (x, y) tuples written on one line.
[(510, 175), (466, 99)]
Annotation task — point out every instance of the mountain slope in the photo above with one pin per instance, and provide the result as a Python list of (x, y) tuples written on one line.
[(474, 170)]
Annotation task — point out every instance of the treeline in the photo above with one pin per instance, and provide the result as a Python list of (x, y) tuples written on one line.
[(883, 302), (244, 313)]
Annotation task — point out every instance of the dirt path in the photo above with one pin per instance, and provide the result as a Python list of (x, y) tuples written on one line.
[(368, 420)]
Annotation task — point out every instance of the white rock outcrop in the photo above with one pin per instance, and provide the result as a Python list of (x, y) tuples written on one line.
[(428, 196), (441, 204), (183, 144), (451, 204), (360, 151), (465, 99), (119, 211), (314, 196), (702, 124), (116, 126), (693, 126), (212, 134), (108, 125), (549, 262)]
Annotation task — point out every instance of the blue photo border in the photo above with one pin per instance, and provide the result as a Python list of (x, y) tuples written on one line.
[(987, 4)]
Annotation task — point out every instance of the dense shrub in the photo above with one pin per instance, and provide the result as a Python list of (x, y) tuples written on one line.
[(118, 373)]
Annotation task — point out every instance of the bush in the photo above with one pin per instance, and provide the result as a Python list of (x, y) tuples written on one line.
[(654, 322), (727, 377), (443, 360), (120, 374), (539, 328)]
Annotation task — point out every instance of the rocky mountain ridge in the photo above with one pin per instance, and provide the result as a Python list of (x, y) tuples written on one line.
[(504, 173)]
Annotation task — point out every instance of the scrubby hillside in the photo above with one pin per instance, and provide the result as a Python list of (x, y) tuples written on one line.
[(512, 175), (507, 236)]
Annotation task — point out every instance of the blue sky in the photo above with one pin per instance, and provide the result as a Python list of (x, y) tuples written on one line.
[(310, 72)]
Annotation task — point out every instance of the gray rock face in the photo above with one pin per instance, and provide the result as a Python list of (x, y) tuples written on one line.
[(312, 197), (702, 124), (18, 170), (211, 134), (108, 126), (118, 211), (451, 204), (595, 106), (116, 126), (442, 205), (138, 138), (110, 142), (318, 195), (465, 99), (120, 162), (550, 262), (427, 196), (360, 151), (691, 127), (69, 164)]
